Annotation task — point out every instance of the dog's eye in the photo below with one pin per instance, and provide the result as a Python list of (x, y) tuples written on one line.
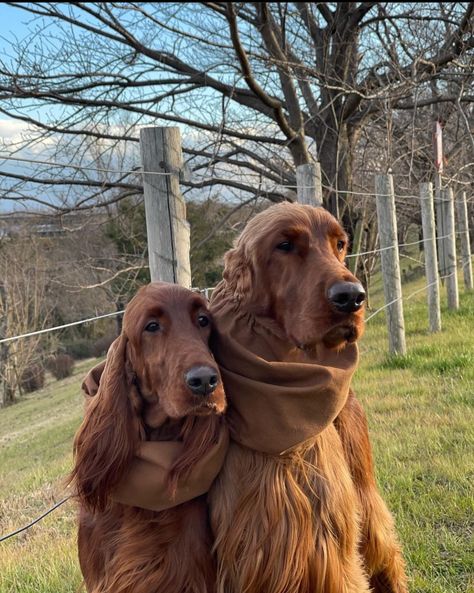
[(285, 246), (153, 327), (203, 320), (340, 245)]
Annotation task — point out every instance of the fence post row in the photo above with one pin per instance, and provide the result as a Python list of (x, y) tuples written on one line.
[(308, 184), (431, 261), (387, 222), (167, 228), (169, 232), (461, 207), (449, 245)]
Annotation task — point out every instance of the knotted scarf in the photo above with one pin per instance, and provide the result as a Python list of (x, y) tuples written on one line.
[(146, 484), (276, 405)]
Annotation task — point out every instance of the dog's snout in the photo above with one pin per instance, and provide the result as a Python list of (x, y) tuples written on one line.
[(346, 297), (202, 380)]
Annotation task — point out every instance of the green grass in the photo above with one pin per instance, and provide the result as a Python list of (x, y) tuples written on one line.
[(36, 443), (422, 429)]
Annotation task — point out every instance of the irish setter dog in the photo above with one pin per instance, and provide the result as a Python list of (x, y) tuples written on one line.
[(310, 520), (160, 382)]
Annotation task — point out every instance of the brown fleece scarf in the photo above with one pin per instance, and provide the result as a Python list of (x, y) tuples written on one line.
[(276, 405), (146, 484)]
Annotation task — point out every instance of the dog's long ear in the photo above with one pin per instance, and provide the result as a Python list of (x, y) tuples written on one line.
[(109, 434), (238, 273), (90, 385)]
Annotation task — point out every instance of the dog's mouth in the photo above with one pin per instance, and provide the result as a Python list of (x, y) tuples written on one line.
[(206, 408), (342, 334), (205, 405), (334, 338), (155, 414)]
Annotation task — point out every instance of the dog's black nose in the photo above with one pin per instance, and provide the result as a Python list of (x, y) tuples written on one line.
[(346, 297), (202, 380)]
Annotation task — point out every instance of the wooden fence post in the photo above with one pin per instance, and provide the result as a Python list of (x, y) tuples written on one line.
[(449, 242), (440, 228), (308, 184), (387, 223), (431, 261), (6, 396), (461, 207), (167, 228)]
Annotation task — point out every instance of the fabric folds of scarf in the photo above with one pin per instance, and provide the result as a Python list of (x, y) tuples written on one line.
[(146, 483), (276, 405)]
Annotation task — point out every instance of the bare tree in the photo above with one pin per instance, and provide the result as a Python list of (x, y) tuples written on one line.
[(23, 306), (57, 270), (259, 88)]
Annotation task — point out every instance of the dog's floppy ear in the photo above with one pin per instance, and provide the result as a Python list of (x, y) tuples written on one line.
[(238, 273), (90, 385), (110, 432)]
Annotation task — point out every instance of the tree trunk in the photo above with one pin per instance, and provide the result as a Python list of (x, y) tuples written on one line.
[(8, 395), (336, 168)]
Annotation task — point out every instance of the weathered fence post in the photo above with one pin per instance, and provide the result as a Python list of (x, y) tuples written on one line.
[(440, 220), (431, 261), (308, 184), (461, 207), (441, 232), (387, 222), (449, 243), (6, 397), (167, 228)]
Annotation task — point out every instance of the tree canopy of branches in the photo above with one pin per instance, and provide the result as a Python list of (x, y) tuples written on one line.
[(258, 89)]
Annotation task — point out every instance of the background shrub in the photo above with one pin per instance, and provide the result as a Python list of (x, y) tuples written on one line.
[(61, 365), (32, 378)]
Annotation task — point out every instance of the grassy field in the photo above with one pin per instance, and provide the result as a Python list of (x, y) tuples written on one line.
[(422, 426)]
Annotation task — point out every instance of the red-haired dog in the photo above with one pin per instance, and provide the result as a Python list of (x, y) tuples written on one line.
[(296, 508), (160, 383)]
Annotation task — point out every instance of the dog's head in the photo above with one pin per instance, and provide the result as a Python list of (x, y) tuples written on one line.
[(160, 367), (288, 264), (167, 330)]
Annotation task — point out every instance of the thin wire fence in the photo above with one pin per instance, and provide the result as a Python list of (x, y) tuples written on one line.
[(408, 297), (35, 521), (214, 179), (58, 327), (83, 167)]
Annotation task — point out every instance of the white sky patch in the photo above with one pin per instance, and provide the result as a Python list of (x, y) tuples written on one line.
[(12, 129), (14, 133), (24, 139)]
